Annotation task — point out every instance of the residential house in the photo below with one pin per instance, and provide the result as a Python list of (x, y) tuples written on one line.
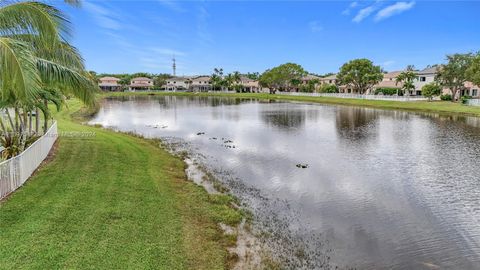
[(332, 79), (109, 84), (424, 77), (389, 81), (471, 90), (249, 85), (309, 77), (201, 84), (140, 83), (178, 83)]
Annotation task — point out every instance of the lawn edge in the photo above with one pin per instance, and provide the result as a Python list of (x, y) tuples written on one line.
[(409, 106), (233, 260)]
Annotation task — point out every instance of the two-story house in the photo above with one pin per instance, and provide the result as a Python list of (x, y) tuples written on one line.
[(200, 84), (109, 84), (424, 77), (178, 83), (140, 83)]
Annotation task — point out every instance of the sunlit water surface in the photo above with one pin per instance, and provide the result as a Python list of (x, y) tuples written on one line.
[(384, 189)]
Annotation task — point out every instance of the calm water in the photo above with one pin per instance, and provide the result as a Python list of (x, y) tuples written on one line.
[(383, 189)]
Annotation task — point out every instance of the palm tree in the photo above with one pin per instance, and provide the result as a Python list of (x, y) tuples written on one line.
[(407, 77), (217, 78), (237, 79), (37, 64)]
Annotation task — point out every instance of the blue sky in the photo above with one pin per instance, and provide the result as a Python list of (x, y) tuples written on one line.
[(251, 36)]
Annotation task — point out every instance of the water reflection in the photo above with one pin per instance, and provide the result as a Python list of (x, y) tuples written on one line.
[(286, 120), (355, 123), (387, 189)]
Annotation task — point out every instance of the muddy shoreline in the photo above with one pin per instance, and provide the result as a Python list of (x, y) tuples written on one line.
[(266, 239)]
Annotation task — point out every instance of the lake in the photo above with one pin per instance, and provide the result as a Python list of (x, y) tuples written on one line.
[(380, 189)]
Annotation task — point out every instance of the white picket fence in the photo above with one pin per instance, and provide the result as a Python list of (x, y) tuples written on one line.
[(14, 172), (473, 102), (356, 96)]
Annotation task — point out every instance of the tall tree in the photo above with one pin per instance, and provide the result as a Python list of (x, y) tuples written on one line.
[(473, 72), (269, 80), (160, 80), (237, 77), (216, 78), (407, 78), (453, 75), (361, 74), (253, 75), (284, 77)]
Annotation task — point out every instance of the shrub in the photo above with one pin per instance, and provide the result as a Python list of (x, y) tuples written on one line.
[(430, 90), (328, 88), (306, 88), (465, 99), (387, 91), (446, 97)]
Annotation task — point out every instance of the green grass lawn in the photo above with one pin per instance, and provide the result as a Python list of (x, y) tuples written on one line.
[(112, 201), (444, 107)]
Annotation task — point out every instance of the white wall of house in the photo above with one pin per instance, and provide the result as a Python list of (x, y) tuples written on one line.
[(176, 84), (201, 83), (422, 80), (149, 82)]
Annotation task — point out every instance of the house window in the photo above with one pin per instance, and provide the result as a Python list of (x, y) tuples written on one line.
[(474, 92), (423, 79)]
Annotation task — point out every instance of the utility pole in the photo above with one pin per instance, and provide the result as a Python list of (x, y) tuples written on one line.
[(174, 67)]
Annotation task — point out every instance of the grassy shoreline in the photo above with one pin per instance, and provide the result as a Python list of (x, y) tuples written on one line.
[(440, 107), (113, 201)]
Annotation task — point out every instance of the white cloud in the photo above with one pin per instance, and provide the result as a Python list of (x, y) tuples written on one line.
[(104, 17), (172, 5), (203, 33), (364, 13), (315, 26), (168, 52), (350, 7), (387, 63), (394, 9)]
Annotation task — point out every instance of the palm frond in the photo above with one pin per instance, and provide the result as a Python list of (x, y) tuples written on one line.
[(54, 96), (34, 18), (19, 79), (62, 53), (75, 3), (68, 80)]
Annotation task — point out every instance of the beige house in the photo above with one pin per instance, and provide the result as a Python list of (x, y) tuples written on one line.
[(470, 90), (425, 76), (332, 79), (189, 83), (201, 84), (309, 77), (109, 84), (249, 85), (140, 83), (389, 81), (178, 83)]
